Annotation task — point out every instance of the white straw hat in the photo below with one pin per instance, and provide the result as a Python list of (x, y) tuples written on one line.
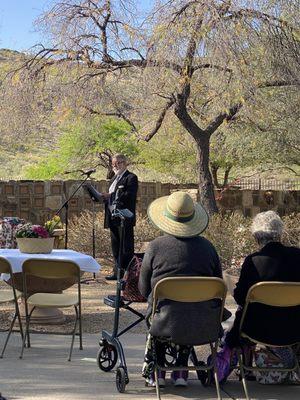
[(178, 215)]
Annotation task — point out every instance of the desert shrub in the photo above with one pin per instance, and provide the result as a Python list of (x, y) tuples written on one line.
[(144, 231), (231, 236), (291, 234), (80, 234), (233, 240)]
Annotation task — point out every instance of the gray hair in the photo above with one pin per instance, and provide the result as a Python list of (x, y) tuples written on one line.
[(267, 227), (120, 157)]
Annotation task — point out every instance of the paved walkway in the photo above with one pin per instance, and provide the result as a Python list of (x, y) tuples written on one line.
[(45, 374)]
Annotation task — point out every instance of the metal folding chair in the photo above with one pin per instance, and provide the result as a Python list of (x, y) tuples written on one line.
[(11, 295), (191, 290), (51, 270), (274, 294)]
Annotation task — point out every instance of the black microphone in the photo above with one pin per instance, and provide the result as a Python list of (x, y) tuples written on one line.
[(95, 195), (88, 172)]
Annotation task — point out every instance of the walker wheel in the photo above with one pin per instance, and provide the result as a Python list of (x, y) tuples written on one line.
[(107, 357), (121, 379)]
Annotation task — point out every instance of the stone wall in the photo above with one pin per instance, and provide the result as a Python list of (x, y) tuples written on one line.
[(36, 201), (251, 202)]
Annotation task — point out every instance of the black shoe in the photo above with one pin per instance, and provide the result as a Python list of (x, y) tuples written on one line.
[(112, 277)]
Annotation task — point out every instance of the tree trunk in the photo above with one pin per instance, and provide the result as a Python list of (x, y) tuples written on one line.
[(214, 171), (206, 187), (202, 138), (110, 173), (226, 176)]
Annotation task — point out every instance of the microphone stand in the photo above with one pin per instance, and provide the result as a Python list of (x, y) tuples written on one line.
[(95, 197), (65, 205)]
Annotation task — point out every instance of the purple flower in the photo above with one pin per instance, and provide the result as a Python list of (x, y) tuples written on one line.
[(40, 231)]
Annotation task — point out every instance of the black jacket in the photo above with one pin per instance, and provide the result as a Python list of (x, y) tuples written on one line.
[(126, 197), (274, 262), (168, 256)]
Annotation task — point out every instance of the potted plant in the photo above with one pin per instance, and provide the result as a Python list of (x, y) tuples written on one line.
[(36, 239)]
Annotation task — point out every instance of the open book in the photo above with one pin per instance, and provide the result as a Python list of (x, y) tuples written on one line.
[(95, 195)]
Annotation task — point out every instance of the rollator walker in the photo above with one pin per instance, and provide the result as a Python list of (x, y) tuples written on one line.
[(111, 350)]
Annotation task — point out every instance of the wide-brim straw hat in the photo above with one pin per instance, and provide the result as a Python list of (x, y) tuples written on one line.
[(178, 215)]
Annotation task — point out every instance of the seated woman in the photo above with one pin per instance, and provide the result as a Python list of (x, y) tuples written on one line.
[(180, 252), (272, 262)]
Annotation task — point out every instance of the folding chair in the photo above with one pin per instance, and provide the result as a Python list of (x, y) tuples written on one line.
[(192, 290), (274, 294), (10, 296), (51, 270)]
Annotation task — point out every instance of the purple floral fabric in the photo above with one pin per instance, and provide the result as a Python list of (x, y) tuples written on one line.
[(8, 226), (281, 357)]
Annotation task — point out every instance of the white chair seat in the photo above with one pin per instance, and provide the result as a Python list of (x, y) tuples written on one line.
[(8, 295), (53, 300)]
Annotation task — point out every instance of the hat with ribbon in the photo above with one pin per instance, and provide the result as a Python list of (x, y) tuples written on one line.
[(178, 215)]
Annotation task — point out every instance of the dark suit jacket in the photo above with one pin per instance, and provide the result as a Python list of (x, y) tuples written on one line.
[(126, 199), (274, 262)]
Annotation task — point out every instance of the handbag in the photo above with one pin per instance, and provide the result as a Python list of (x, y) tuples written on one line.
[(226, 362), (130, 290), (275, 357)]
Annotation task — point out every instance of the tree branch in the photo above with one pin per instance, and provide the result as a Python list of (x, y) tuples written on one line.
[(159, 120), (278, 83), (212, 66), (251, 13), (219, 119), (118, 114)]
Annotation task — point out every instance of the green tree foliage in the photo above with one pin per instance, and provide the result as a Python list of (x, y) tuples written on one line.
[(170, 155), (82, 143)]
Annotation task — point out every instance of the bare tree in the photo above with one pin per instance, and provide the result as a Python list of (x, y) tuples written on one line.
[(203, 61)]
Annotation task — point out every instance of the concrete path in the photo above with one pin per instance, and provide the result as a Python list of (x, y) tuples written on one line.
[(45, 374)]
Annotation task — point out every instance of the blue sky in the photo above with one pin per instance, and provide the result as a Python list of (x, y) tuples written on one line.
[(16, 22)]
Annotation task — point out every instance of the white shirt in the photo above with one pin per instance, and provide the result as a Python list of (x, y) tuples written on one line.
[(112, 187)]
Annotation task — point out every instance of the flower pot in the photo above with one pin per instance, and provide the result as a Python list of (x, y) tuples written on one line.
[(35, 245)]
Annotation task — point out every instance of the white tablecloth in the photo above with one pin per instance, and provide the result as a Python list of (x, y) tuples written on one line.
[(16, 258)]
